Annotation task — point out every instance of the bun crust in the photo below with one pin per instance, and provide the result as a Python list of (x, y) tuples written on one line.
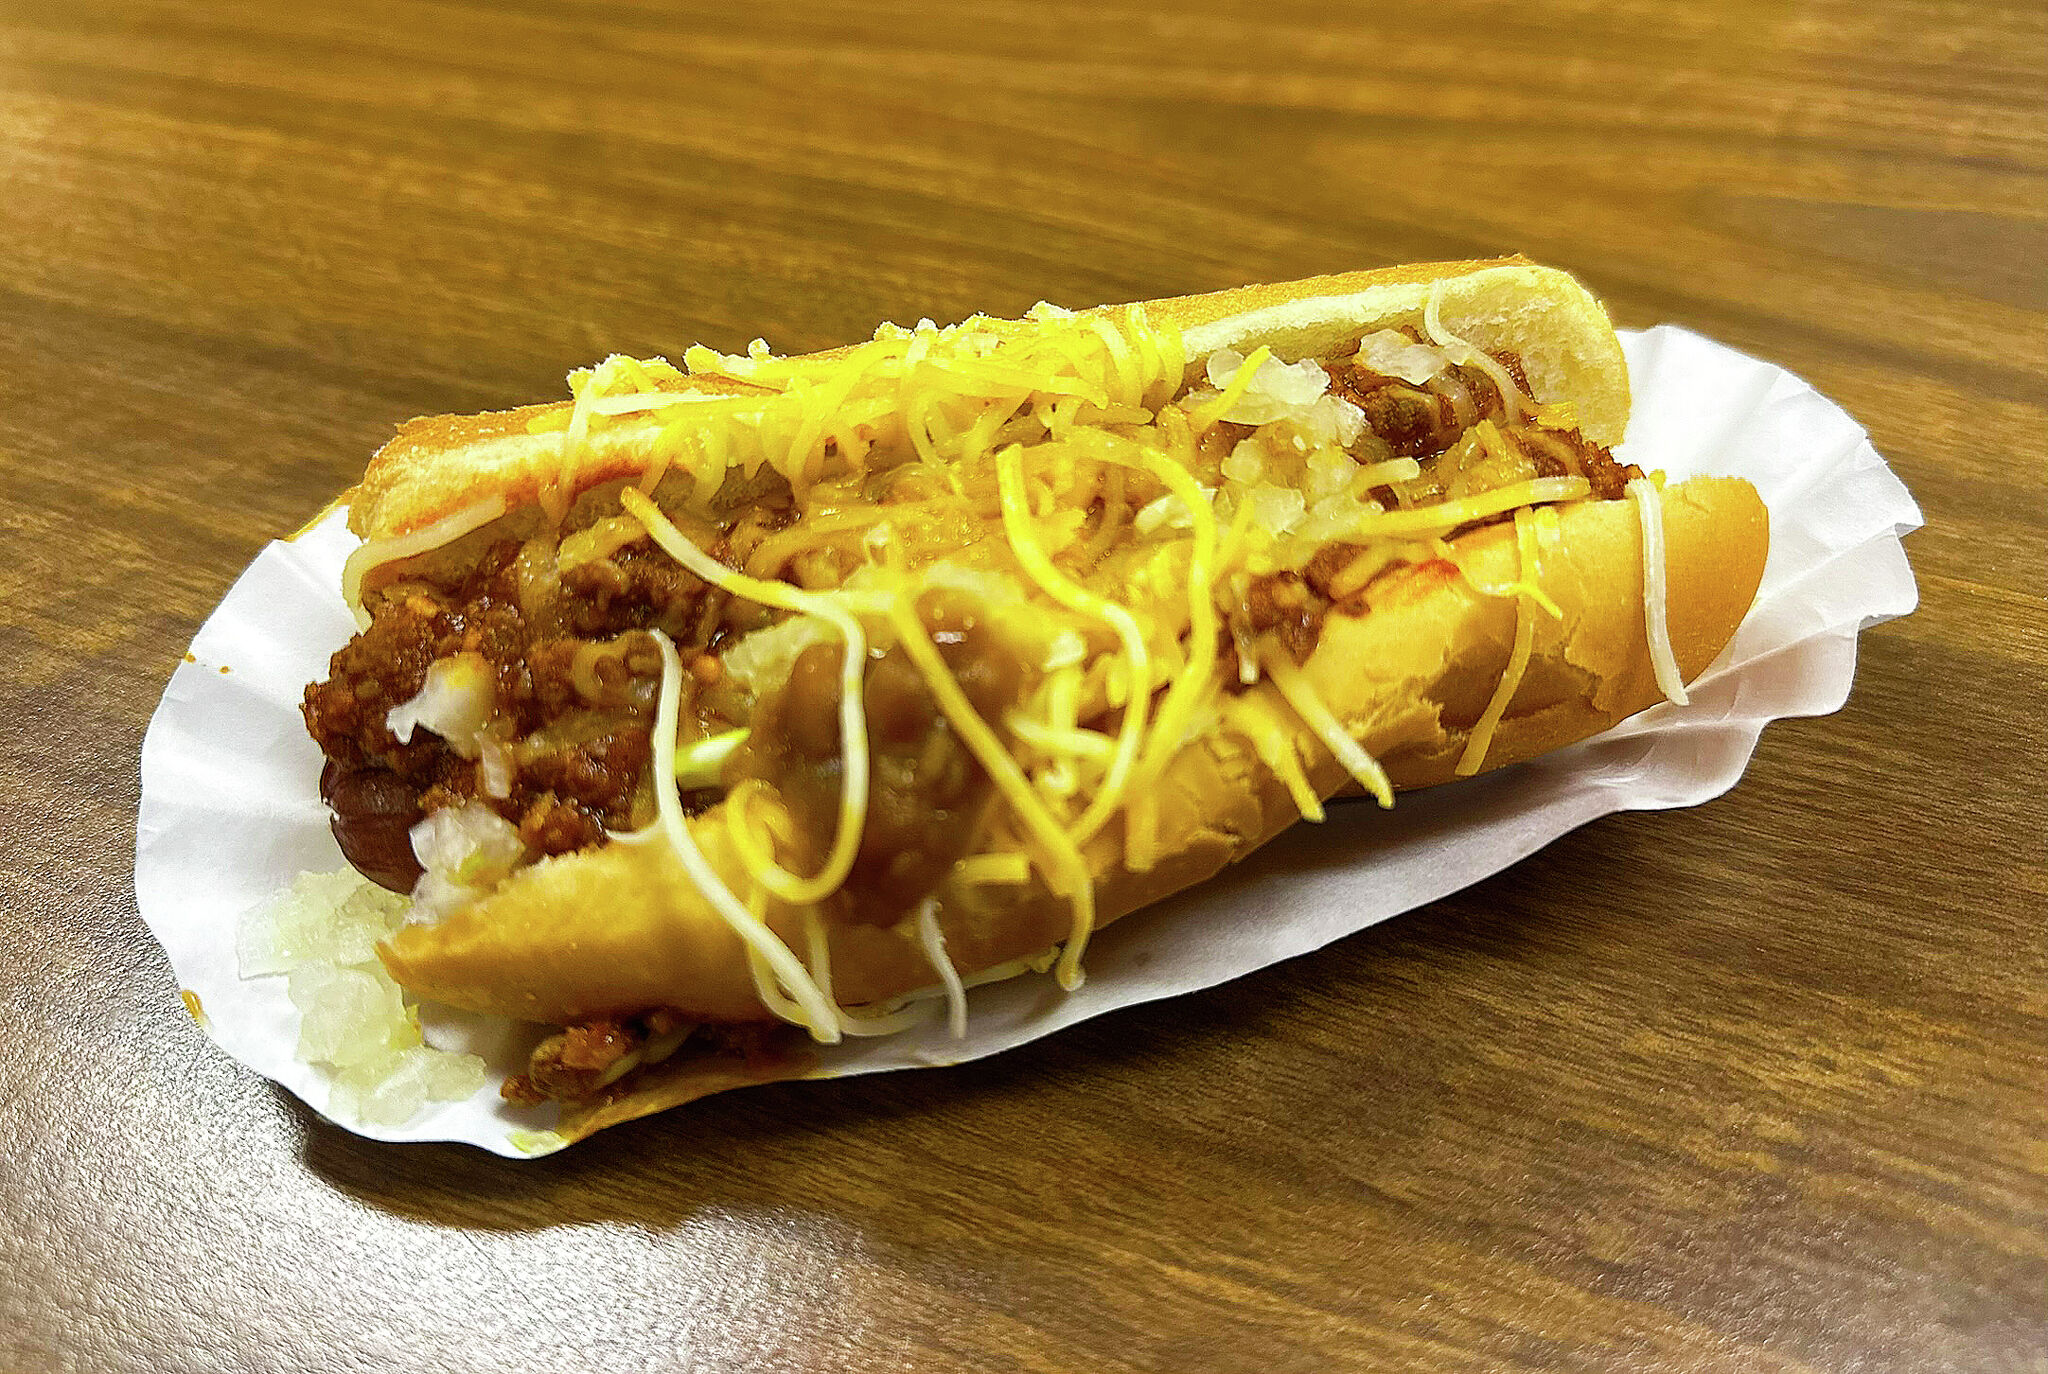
[(621, 928), (437, 465)]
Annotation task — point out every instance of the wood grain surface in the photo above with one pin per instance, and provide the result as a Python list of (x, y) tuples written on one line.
[(1758, 1086)]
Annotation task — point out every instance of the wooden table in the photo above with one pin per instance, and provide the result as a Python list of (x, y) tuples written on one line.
[(1757, 1086)]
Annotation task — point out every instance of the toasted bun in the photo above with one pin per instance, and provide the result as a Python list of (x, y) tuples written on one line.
[(438, 465), (1587, 672), (620, 929)]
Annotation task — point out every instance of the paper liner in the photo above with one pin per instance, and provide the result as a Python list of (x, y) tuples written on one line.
[(230, 811)]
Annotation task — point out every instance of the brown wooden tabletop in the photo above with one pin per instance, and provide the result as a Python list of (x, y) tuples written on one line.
[(1757, 1086)]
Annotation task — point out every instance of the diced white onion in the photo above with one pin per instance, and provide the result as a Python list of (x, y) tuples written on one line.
[(1166, 510), (1276, 509), (456, 702), (763, 658), (354, 1024), (1391, 353), (465, 850), (494, 769), (1464, 410), (1278, 391), (1247, 462)]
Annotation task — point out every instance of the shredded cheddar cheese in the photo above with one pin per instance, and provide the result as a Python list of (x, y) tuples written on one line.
[(1069, 869), (853, 723), (1650, 510), (933, 941), (819, 945), (1299, 694), (806, 1004), (1526, 593), (1189, 687), (1010, 869), (1251, 717), (375, 553), (1446, 516), (1466, 354), (1071, 594)]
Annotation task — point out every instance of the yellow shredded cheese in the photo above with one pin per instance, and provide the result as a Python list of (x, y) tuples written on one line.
[(1650, 511), (1053, 739), (1237, 540), (1249, 716), (1525, 584), (1060, 414), (1069, 868), (1141, 830), (1356, 575), (991, 870), (1386, 474), (375, 553), (1075, 597), (1445, 516), (1481, 738), (1190, 686), (853, 725), (1295, 689), (1494, 442), (806, 1004), (933, 941), (852, 1023)]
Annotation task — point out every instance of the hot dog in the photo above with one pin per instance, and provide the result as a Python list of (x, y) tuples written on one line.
[(765, 692)]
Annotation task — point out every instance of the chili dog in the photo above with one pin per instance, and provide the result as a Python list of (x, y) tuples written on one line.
[(800, 692)]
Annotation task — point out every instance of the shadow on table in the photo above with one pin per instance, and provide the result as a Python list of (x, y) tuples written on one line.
[(820, 1145)]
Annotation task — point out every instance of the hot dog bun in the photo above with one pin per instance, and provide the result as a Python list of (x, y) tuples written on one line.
[(438, 465), (621, 928)]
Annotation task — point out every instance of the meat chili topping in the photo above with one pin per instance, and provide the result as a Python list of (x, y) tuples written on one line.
[(1438, 428), (926, 792), (574, 697)]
